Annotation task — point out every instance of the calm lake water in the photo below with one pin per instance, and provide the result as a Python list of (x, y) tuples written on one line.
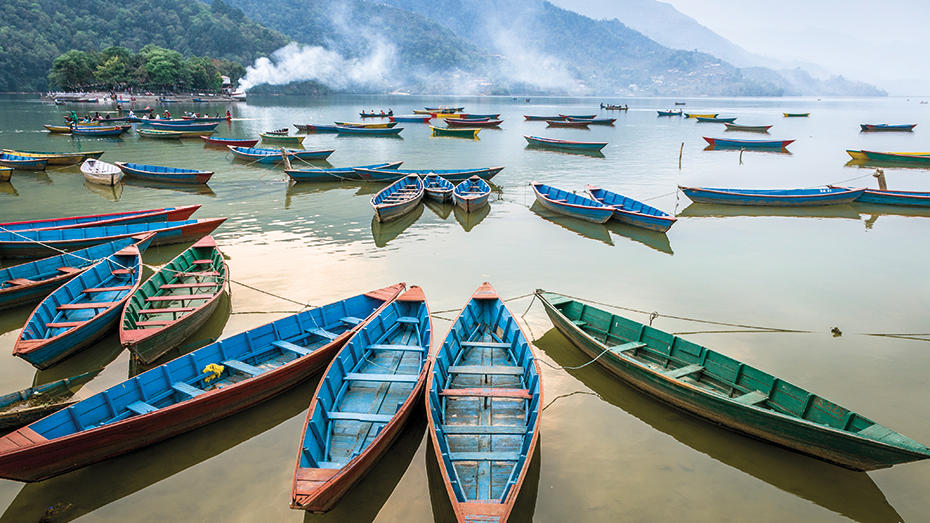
[(607, 452)]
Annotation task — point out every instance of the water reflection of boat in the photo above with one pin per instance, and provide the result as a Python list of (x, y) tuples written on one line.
[(573, 152), (7, 188), (39, 176), (851, 494), (107, 192), (737, 148), (90, 488), (200, 189), (468, 220), (443, 210), (652, 239), (595, 231), (872, 164), (707, 210), (364, 501), (297, 189), (97, 356), (383, 232)]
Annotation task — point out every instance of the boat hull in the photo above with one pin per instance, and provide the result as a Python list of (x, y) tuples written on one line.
[(748, 144), (573, 206), (805, 198), (453, 175), (632, 212), (152, 173), (551, 143)]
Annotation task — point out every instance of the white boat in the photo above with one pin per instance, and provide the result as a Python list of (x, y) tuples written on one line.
[(103, 173), (238, 95)]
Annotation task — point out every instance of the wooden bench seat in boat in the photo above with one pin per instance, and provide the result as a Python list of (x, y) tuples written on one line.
[(288, 346), (483, 429), (322, 333), (167, 311), (188, 285), (484, 456), (398, 378), (19, 281), (72, 270), (485, 344), (408, 320), (181, 274), (141, 407), (202, 262), (184, 388), (683, 371), (153, 323), (86, 305), (405, 348), (752, 398), (351, 320), (64, 324), (244, 368), (179, 297), (487, 393), (505, 370), (119, 271), (359, 416), (107, 289)]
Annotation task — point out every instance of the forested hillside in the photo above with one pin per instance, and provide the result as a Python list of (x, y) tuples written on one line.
[(33, 34)]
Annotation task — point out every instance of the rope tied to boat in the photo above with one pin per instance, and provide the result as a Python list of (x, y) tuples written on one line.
[(216, 369)]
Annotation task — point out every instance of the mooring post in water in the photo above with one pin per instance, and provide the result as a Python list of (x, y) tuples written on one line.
[(287, 161), (880, 174), (741, 155), (680, 152)]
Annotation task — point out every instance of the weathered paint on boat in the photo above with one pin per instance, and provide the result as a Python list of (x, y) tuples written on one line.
[(398, 199), (160, 174), (725, 391), (773, 197), (23, 163), (52, 158), (336, 173), (170, 214), (453, 175), (275, 155), (748, 144), (472, 194), (438, 188), (553, 143), (187, 392), (571, 204), (483, 405), (174, 302), (34, 403), (363, 402), (633, 212), (100, 172)]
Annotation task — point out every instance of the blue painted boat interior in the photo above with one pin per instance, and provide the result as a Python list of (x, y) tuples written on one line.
[(484, 440), (473, 187), (159, 169), (565, 197), (369, 381), (54, 266), (399, 192), (89, 232), (624, 202)]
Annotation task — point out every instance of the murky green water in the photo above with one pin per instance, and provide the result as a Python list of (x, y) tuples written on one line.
[(607, 453)]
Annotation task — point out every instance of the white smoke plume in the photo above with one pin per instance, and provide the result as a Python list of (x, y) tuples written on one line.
[(295, 63)]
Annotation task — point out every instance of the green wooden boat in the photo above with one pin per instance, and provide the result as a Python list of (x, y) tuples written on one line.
[(723, 390), (459, 132), (21, 408), (174, 302), (282, 138), (911, 158)]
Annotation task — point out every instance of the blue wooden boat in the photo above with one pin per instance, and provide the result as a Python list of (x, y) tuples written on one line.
[(42, 243), (445, 109), (363, 402), (453, 175), (412, 118), (160, 174), (593, 121), (716, 119), (483, 407), (633, 212), (398, 199), (274, 155), (336, 173), (22, 163), (471, 116), (438, 188), (32, 281), (728, 392), (182, 125), (578, 116), (887, 127), (670, 113), (773, 197), (169, 214), (366, 131), (531, 118), (206, 385), (571, 145), (748, 144), (312, 128), (238, 142), (896, 198), (472, 194), (30, 404), (82, 310), (100, 130), (571, 204)]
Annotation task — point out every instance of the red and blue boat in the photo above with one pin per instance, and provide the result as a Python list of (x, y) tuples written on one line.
[(453, 175), (888, 127), (82, 310), (237, 142), (630, 211), (319, 129), (160, 174), (115, 130), (368, 131), (895, 198), (23, 163), (336, 174), (398, 199), (167, 214), (747, 144), (274, 155), (183, 125), (472, 194), (552, 143), (208, 384), (773, 197), (571, 204), (411, 118), (438, 188)]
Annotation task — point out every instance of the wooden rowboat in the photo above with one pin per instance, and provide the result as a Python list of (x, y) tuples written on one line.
[(31, 281), (437, 188), (703, 115), (41, 243), (336, 174), (633, 212), (716, 120), (472, 194), (456, 132), (467, 122), (180, 125), (22, 163), (552, 143), (82, 310), (398, 199), (727, 392), (670, 113), (368, 125), (100, 131), (887, 127), (158, 133), (571, 204), (99, 172), (413, 118), (311, 128), (56, 158), (282, 138), (160, 174), (568, 123), (896, 198), (860, 155), (174, 302), (373, 114), (593, 121), (363, 402), (168, 214), (206, 385), (25, 406), (364, 131), (773, 197), (747, 144), (916, 159), (546, 118), (748, 128), (238, 142), (796, 115), (275, 155), (453, 175), (483, 407)]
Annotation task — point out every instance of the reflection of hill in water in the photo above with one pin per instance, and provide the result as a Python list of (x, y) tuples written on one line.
[(364, 501), (98, 485), (652, 239), (468, 220), (595, 231), (851, 494), (523, 509), (709, 210), (383, 232)]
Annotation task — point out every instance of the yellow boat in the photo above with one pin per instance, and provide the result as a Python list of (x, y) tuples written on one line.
[(859, 155), (57, 158), (695, 115)]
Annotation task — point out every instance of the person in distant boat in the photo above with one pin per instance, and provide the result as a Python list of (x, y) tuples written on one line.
[(131, 115), (166, 115), (228, 116), (107, 117), (382, 111)]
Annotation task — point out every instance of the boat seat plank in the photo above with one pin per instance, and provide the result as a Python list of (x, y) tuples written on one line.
[(184, 388), (631, 346), (64, 324), (141, 407), (408, 320), (399, 378), (488, 393), (86, 305), (482, 429), (153, 323), (560, 300), (484, 456), (244, 368), (323, 333), (168, 310), (486, 344), (752, 398), (119, 271), (184, 274), (405, 348), (107, 289), (71, 270), (875, 431), (202, 262), (351, 320), (21, 281), (506, 370), (288, 346), (360, 416), (188, 285), (180, 297), (683, 371)]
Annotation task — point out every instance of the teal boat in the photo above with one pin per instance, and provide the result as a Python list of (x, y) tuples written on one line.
[(728, 392)]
